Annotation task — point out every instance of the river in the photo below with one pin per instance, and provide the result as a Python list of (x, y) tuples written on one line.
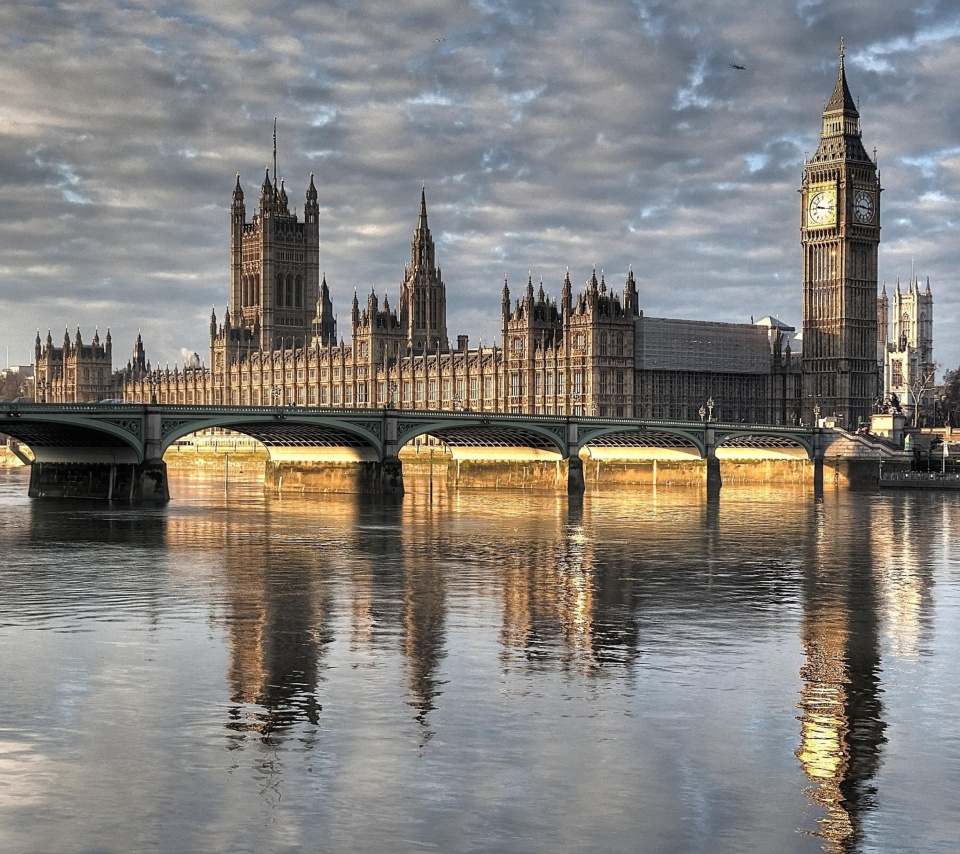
[(480, 672)]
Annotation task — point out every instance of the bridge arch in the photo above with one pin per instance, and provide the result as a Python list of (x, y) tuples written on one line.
[(643, 436), (288, 430), (77, 436), (764, 440), (481, 432)]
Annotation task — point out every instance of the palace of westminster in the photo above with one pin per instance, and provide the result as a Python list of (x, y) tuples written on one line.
[(590, 352)]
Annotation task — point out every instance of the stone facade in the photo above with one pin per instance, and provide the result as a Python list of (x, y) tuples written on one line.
[(906, 356), (840, 234), (593, 353), (74, 372)]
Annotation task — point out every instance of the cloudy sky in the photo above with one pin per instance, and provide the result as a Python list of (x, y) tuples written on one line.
[(549, 133)]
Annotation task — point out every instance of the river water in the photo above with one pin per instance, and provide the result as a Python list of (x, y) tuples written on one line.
[(483, 672)]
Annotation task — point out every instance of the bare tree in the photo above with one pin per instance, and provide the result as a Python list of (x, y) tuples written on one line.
[(921, 384)]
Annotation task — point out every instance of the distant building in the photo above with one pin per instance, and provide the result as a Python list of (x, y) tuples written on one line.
[(74, 372), (16, 382), (906, 355)]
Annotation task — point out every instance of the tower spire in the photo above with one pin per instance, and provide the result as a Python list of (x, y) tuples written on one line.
[(275, 173)]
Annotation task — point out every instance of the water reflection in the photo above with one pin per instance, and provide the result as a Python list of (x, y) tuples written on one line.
[(360, 634), (867, 561)]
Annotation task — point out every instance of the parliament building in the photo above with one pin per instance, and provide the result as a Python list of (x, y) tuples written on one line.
[(589, 350)]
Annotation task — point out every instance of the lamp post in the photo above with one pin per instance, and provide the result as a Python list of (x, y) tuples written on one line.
[(710, 408), (703, 413), (392, 388)]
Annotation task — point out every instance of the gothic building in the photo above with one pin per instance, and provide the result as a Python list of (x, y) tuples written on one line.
[(74, 372), (840, 234), (906, 356), (589, 351)]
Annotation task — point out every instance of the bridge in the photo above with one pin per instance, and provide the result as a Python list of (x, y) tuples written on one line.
[(115, 451)]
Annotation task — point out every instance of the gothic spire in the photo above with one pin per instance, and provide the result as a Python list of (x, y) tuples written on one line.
[(841, 100), (422, 250)]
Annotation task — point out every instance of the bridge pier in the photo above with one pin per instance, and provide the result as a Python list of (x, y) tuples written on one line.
[(100, 480), (817, 463), (363, 477), (714, 480), (576, 484)]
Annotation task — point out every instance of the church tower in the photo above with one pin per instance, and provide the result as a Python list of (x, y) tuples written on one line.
[(274, 267), (423, 298), (840, 235)]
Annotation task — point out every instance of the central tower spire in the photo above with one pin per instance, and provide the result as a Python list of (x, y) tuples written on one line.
[(423, 300)]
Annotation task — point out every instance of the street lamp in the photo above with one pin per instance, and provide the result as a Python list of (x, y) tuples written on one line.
[(393, 393), (710, 408), (816, 415), (154, 380), (703, 413)]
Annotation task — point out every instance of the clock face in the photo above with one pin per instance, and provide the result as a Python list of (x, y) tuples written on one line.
[(822, 208), (863, 206)]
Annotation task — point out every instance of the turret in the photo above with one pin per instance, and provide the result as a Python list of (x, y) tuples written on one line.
[(566, 295), (631, 298)]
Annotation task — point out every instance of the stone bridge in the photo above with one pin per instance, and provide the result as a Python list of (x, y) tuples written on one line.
[(116, 450)]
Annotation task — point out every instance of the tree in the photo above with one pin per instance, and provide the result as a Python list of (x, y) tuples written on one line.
[(921, 384), (949, 394), (9, 386)]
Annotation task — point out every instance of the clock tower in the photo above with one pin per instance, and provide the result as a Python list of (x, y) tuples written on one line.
[(840, 235)]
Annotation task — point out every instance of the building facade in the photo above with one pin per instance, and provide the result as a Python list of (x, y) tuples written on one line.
[(906, 355), (74, 372), (589, 353)]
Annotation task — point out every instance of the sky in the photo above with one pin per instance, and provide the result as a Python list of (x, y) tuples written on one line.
[(549, 134)]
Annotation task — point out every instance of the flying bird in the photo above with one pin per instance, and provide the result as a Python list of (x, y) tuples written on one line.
[(738, 67), (439, 40)]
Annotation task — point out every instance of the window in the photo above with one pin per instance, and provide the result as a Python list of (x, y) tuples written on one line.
[(896, 370)]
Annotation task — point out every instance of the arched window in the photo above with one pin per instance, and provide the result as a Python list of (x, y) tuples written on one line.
[(298, 293), (290, 291), (279, 290)]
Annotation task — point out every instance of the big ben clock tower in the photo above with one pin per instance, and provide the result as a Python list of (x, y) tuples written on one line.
[(840, 235)]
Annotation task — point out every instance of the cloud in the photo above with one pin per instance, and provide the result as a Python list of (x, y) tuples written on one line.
[(550, 134)]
